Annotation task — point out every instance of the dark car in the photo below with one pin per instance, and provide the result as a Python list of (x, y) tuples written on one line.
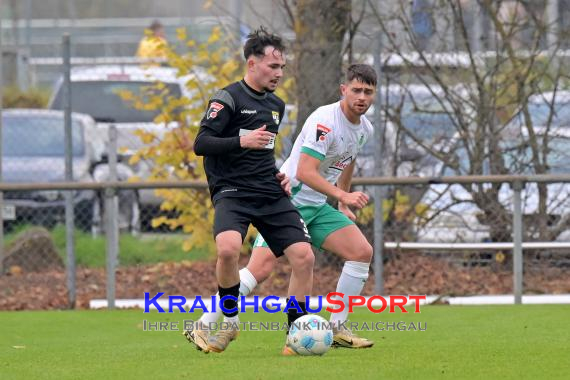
[(33, 150), (96, 92)]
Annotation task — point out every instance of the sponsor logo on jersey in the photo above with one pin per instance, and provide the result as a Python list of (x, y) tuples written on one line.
[(342, 163), (215, 107), (249, 112), (275, 115), (322, 132)]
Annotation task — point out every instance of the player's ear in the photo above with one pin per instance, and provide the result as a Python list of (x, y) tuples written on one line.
[(343, 89), (251, 62)]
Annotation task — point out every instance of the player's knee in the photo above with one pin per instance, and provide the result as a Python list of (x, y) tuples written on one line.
[(361, 252), (367, 253), (304, 260), (228, 251)]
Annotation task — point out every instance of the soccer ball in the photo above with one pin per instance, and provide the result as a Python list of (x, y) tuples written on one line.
[(310, 335)]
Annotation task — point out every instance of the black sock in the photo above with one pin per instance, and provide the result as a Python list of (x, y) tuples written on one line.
[(293, 314), (230, 303)]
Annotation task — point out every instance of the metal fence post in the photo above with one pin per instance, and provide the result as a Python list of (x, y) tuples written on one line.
[(378, 241), (112, 218), (1, 153), (378, 261), (517, 242), (69, 213)]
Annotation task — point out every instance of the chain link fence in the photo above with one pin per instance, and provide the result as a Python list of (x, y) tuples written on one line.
[(453, 264), (435, 120)]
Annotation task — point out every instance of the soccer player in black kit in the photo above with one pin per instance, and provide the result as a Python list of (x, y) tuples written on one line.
[(237, 138)]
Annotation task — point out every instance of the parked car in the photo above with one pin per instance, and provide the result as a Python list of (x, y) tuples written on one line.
[(33, 150), (551, 108), (455, 217), (409, 114), (95, 92)]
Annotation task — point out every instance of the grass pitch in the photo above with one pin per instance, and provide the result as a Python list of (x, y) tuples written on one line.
[(507, 342)]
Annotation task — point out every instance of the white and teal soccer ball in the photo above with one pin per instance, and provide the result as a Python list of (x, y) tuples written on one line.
[(310, 335)]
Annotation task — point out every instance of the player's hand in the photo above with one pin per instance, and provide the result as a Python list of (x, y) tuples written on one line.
[(346, 211), (356, 199), (285, 183), (256, 139)]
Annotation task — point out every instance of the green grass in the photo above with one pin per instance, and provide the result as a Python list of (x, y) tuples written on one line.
[(149, 249), (475, 342)]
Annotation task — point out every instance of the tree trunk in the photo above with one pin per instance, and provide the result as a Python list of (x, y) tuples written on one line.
[(320, 32)]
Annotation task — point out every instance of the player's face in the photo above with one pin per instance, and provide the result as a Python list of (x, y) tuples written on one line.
[(358, 96), (267, 71)]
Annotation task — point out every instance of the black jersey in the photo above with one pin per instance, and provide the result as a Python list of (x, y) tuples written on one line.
[(233, 171)]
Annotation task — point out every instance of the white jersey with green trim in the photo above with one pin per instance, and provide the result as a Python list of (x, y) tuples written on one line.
[(328, 136)]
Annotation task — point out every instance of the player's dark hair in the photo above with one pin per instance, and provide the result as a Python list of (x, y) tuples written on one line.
[(362, 73), (258, 40)]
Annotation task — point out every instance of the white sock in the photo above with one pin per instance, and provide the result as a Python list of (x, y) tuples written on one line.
[(246, 285), (351, 281), (246, 282), (232, 320)]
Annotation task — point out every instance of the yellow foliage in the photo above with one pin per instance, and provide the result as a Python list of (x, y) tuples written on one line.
[(171, 155), (215, 35), (181, 34), (399, 207)]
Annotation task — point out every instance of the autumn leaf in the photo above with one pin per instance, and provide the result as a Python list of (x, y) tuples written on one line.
[(181, 34)]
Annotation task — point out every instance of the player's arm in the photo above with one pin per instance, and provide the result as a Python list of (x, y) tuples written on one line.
[(345, 179), (210, 139), (209, 143), (344, 182), (308, 173)]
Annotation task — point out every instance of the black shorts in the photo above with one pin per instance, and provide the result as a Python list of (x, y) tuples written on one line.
[(276, 219)]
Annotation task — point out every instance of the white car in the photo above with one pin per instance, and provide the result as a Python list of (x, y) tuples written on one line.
[(553, 105), (95, 92), (454, 216), (411, 115)]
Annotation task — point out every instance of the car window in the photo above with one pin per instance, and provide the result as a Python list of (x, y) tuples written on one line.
[(426, 117), (540, 112), (35, 136), (429, 126), (518, 158), (102, 102)]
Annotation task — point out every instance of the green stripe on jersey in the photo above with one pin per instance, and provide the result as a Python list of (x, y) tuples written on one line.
[(296, 189), (313, 153)]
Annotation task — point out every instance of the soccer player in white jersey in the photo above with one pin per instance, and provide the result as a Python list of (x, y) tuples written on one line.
[(320, 165)]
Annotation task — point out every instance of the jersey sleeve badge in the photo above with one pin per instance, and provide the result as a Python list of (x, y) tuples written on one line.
[(322, 132), (275, 115), (215, 107)]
